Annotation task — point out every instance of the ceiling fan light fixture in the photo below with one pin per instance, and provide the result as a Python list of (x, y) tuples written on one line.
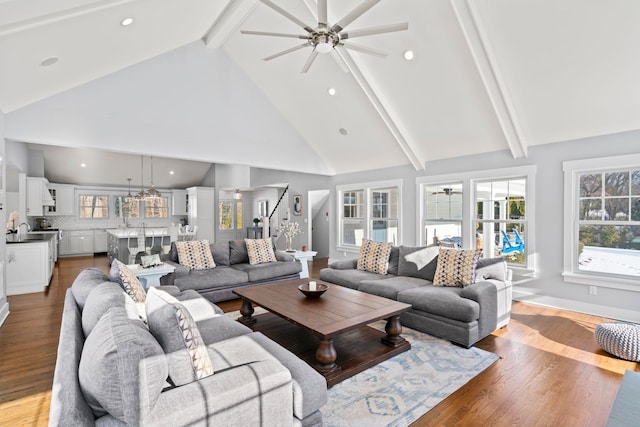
[(324, 47)]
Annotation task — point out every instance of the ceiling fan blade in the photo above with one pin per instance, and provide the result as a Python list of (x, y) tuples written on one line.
[(265, 33), (307, 64), (339, 61), (364, 49), (287, 15), (374, 30), (354, 14), (284, 52), (322, 13)]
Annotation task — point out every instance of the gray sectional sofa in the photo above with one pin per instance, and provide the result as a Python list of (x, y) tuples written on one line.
[(463, 315), (232, 271), (112, 371)]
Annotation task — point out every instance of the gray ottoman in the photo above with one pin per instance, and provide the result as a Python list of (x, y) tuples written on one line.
[(620, 339)]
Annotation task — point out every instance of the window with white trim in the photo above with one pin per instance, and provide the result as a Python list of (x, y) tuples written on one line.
[(472, 209), (603, 219), (94, 207), (501, 223), (368, 211), (442, 221)]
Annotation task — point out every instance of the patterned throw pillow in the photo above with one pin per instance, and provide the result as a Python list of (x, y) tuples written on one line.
[(456, 267), (260, 250), (195, 255), (130, 283), (176, 331), (374, 256)]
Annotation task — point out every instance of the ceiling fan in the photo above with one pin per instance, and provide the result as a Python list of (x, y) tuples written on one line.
[(325, 39)]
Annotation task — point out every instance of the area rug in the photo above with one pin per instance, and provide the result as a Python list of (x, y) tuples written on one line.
[(400, 390)]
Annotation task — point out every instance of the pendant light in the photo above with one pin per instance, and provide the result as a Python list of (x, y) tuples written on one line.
[(142, 194), (129, 196), (237, 195), (152, 193)]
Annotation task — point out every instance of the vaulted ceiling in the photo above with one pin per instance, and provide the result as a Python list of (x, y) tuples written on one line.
[(487, 75)]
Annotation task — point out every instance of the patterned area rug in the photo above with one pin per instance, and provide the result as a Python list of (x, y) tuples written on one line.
[(400, 390)]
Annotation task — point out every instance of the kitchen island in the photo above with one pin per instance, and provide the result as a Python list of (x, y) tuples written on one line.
[(30, 262), (125, 243)]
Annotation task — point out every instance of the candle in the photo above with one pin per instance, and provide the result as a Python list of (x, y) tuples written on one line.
[(312, 285)]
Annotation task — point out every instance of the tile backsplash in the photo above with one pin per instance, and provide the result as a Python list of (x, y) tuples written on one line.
[(70, 222)]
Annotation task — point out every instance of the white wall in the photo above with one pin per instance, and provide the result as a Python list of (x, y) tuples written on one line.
[(548, 287), (4, 305)]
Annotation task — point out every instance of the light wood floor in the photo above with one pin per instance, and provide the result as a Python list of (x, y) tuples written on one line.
[(551, 371)]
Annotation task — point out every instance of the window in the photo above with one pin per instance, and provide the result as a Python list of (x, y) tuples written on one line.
[(481, 209), (94, 206), (603, 220), (369, 212), (157, 207), (227, 219), (127, 207), (501, 225), (442, 220)]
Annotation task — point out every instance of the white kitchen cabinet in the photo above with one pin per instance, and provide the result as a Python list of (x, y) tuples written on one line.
[(63, 196), (179, 202), (77, 242), (202, 211), (100, 241), (29, 267), (34, 196)]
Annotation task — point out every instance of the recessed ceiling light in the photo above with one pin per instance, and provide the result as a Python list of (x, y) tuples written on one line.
[(171, 172), (331, 91), (408, 55), (342, 131), (126, 21), (49, 61), (83, 165)]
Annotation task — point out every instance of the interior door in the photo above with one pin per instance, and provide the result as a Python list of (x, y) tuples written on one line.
[(230, 220)]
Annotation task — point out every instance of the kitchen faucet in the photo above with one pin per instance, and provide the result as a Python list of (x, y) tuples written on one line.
[(20, 228)]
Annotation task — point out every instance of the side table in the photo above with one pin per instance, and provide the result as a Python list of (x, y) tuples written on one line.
[(304, 258), (151, 276)]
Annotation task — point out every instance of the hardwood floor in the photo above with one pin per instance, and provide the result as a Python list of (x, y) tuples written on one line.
[(551, 372)]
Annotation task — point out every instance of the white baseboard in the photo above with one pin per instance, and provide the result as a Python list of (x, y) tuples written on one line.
[(580, 307), (4, 312)]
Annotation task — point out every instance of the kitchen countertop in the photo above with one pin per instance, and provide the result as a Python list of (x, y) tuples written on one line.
[(30, 238)]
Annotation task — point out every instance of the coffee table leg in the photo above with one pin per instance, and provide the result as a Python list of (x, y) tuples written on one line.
[(246, 310), (393, 329), (326, 356)]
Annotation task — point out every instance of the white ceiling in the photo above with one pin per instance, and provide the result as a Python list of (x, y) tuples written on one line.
[(487, 75)]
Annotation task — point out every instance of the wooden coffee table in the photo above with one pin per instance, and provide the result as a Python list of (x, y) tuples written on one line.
[(329, 332)]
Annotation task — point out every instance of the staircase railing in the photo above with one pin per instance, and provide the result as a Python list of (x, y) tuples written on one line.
[(275, 208)]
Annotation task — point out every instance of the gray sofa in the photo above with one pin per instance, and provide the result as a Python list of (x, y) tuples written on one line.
[(461, 315), (112, 371), (232, 271)]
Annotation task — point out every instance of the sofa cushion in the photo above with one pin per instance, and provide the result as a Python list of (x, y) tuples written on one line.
[(199, 307), (85, 283), (374, 256), (491, 268), (176, 331), (394, 259), (442, 301), (418, 261), (456, 267), (122, 368), (268, 271), (195, 255), (348, 278), (103, 297), (220, 252), (238, 252), (390, 286), (221, 276), (220, 328), (260, 251), (121, 274)]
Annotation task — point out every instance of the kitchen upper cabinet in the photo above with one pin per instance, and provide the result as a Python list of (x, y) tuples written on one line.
[(63, 196), (34, 196), (179, 202)]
